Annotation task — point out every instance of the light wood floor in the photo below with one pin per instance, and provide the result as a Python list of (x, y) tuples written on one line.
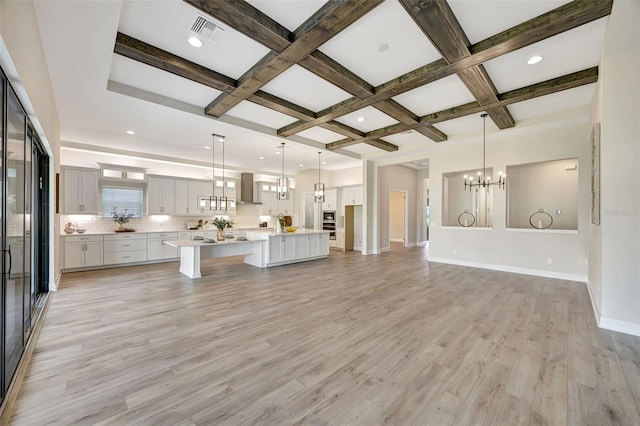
[(350, 340)]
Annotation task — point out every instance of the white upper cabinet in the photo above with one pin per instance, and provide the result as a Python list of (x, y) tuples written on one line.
[(330, 199), (181, 197), (161, 196), (80, 188)]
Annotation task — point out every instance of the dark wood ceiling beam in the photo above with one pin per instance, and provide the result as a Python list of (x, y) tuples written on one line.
[(343, 129), (378, 143), (328, 21), (147, 54), (405, 116), (328, 69), (281, 105), (246, 19), (544, 88), (561, 19), (438, 22)]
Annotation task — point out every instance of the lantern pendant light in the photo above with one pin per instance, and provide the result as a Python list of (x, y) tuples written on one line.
[(318, 188), (283, 182)]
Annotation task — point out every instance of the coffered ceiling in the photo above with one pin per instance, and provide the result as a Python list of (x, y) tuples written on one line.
[(354, 79)]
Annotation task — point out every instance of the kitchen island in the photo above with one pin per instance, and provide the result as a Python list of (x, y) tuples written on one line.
[(261, 249)]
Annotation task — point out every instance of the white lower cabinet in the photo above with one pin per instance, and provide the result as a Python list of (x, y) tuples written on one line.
[(125, 248), (157, 249), (83, 251), (297, 247)]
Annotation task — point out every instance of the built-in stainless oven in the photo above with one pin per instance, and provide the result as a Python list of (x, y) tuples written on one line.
[(329, 223), (329, 216)]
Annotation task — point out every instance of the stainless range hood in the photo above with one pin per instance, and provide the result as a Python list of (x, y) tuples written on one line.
[(246, 189)]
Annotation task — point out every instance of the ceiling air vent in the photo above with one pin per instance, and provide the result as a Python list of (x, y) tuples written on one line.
[(207, 29)]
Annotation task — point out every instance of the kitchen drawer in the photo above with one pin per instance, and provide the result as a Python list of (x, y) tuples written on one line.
[(82, 238), (125, 256), (186, 235), (125, 237), (125, 246), (163, 235), (203, 234)]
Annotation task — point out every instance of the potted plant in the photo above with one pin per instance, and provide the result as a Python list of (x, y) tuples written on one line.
[(121, 217), (221, 224)]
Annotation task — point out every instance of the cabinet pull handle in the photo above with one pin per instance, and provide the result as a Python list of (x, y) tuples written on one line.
[(126, 245), (126, 257)]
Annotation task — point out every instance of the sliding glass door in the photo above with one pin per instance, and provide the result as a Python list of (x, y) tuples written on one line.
[(15, 235), (24, 230)]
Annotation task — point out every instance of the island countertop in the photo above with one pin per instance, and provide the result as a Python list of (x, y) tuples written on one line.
[(300, 231)]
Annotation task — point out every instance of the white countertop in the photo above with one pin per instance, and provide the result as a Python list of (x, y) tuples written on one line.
[(195, 243), (300, 231), (227, 231)]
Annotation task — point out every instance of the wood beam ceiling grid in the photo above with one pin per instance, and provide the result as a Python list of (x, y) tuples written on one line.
[(434, 18)]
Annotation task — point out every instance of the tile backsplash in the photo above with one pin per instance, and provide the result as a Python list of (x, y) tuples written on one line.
[(246, 215)]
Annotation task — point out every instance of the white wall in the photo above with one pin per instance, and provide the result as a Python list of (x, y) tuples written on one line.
[(396, 216), (517, 250), (398, 178), (619, 236), (22, 58)]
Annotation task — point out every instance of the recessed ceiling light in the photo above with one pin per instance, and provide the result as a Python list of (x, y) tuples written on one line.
[(207, 147), (324, 162), (383, 47), (131, 132), (534, 59), (195, 41), (360, 119), (261, 158), (300, 165), (277, 152)]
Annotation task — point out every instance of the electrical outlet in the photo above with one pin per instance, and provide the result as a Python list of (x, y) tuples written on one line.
[(549, 261)]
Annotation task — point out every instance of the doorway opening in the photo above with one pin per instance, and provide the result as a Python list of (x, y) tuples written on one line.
[(398, 220)]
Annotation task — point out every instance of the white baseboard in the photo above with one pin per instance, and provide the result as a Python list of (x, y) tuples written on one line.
[(396, 240), (384, 249), (620, 326), (423, 243), (513, 269), (412, 245)]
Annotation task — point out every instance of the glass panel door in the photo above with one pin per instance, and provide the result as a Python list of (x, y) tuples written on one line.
[(28, 202), (15, 228)]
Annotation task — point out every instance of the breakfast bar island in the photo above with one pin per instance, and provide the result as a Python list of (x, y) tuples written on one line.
[(261, 249)]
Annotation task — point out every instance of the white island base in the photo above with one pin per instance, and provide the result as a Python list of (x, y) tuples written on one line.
[(262, 249)]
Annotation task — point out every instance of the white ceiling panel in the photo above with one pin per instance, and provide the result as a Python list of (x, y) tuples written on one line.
[(361, 47), (463, 125), (373, 119), (563, 54), (406, 138), (291, 16), (441, 94), (136, 74), (304, 88), (252, 112), (553, 103), (362, 148), (167, 25), (320, 134), (483, 19)]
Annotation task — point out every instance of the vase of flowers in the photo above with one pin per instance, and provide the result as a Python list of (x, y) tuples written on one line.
[(221, 224), (121, 218)]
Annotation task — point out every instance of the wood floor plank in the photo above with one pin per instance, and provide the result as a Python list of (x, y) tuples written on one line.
[(351, 339)]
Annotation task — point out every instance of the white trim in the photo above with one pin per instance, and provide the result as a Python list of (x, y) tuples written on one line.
[(544, 231), (474, 228), (620, 326), (513, 269), (383, 249), (422, 243), (593, 303), (412, 245), (396, 240)]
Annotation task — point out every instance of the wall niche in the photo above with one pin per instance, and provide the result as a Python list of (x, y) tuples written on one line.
[(466, 207), (543, 195)]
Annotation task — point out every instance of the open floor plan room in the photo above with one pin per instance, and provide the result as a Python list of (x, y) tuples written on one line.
[(350, 339)]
